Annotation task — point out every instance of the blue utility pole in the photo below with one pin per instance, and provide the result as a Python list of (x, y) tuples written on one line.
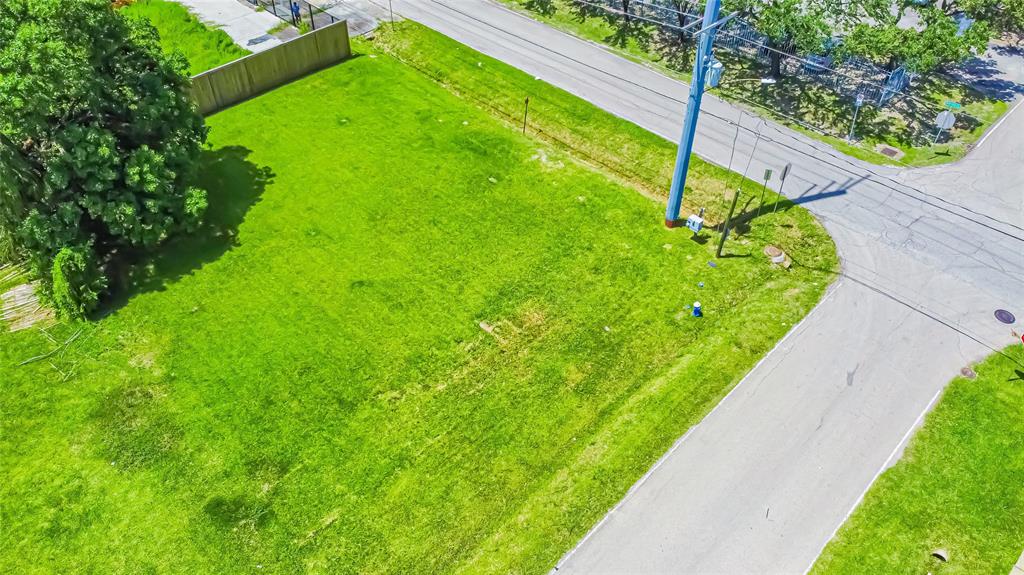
[(701, 63)]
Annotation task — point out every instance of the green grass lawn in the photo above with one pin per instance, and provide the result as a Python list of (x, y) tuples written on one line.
[(800, 103), (624, 150), (409, 339), (959, 486), (180, 31)]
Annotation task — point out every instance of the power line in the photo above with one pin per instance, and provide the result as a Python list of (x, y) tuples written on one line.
[(809, 155), (631, 15), (665, 8), (881, 182), (763, 46), (874, 286)]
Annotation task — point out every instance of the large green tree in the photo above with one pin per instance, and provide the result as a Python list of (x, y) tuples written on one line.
[(935, 42), (99, 138), (1003, 16), (790, 25)]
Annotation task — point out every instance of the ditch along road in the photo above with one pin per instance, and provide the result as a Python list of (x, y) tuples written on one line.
[(763, 482)]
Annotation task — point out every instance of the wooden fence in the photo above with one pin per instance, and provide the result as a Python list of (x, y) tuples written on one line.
[(254, 74)]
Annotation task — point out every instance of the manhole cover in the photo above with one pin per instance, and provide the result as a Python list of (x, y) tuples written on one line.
[(1005, 316), (891, 152)]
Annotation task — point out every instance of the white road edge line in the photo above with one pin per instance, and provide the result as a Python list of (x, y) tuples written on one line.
[(881, 470), (999, 123), (643, 479)]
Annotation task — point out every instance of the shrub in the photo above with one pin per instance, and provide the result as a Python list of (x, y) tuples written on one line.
[(75, 282)]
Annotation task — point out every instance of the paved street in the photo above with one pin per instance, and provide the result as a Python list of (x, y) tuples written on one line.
[(762, 483)]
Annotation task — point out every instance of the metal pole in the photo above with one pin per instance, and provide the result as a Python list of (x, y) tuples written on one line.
[(732, 154), (391, 10), (312, 22), (700, 68), (854, 123), (725, 227), (936, 140), (775, 208), (763, 188), (525, 112)]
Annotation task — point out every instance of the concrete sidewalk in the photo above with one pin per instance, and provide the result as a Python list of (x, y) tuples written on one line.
[(240, 20)]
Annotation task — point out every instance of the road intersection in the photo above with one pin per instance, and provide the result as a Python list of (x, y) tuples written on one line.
[(763, 482)]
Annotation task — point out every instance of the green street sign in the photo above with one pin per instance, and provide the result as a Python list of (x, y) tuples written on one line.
[(953, 105)]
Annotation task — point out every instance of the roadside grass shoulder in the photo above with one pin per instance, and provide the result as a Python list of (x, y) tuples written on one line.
[(180, 31), (618, 147), (959, 486), (407, 339)]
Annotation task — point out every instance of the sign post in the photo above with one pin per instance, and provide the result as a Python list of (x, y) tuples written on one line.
[(782, 183), (853, 124), (767, 176)]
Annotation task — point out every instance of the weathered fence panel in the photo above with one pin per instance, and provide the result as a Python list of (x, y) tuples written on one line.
[(254, 74)]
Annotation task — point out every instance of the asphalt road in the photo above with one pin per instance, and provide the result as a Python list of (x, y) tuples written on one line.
[(763, 482)]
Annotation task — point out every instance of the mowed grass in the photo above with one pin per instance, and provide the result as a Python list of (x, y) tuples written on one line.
[(408, 340), (180, 31), (959, 487), (620, 148)]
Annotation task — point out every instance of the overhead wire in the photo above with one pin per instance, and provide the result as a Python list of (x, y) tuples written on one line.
[(763, 46), (814, 156), (883, 178)]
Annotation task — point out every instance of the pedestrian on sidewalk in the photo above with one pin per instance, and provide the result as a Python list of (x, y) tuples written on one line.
[(296, 13)]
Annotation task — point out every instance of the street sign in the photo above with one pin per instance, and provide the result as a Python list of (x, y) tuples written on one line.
[(767, 174), (785, 172), (952, 105), (945, 120), (860, 100)]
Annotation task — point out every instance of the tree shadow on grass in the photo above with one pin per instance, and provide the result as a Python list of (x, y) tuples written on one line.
[(233, 185)]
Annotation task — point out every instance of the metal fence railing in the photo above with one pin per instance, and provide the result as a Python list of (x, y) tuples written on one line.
[(847, 76), (298, 13)]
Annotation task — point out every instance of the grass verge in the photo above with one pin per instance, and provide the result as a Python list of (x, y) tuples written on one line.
[(959, 486), (408, 339), (180, 31)]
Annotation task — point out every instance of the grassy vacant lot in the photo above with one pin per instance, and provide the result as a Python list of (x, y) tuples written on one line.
[(409, 340), (180, 31), (959, 486), (800, 103)]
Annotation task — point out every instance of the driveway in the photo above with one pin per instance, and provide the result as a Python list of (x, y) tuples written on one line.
[(763, 482)]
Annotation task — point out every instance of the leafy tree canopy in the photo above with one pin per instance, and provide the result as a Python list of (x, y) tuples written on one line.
[(790, 25), (99, 138), (1005, 16), (938, 42), (801, 24)]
